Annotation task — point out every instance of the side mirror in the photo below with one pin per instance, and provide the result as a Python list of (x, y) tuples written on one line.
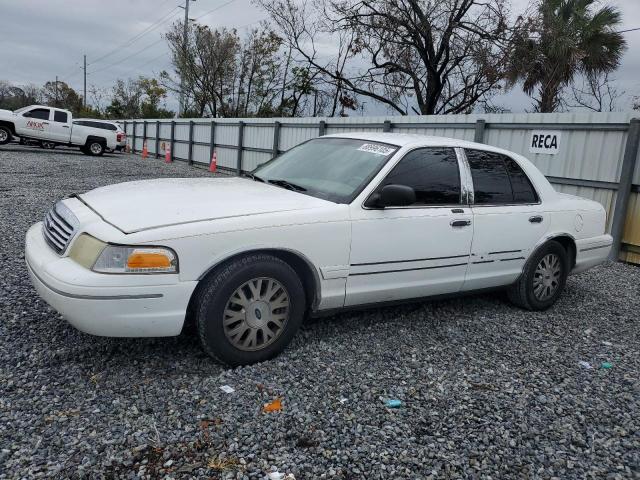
[(392, 196)]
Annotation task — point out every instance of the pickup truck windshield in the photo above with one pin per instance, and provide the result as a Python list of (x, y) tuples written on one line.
[(334, 169)]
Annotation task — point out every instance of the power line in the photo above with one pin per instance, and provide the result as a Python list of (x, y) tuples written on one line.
[(629, 30), (213, 10), (139, 35), (118, 62)]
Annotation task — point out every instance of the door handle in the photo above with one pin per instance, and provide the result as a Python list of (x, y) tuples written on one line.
[(460, 223), (45, 123), (536, 219), (65, 126)]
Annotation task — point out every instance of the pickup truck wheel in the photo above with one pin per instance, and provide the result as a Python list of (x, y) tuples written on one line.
[(48, 145), (5, 135), (543, 278), (95, 148), (249, 310)]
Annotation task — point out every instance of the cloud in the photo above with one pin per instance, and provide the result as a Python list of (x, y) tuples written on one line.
[(44, 39)]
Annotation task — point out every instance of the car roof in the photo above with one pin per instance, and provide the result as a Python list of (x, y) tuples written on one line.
[(96, 120), (411, 139)]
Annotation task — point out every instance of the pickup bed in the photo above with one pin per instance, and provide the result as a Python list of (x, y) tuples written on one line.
[(54, 126)]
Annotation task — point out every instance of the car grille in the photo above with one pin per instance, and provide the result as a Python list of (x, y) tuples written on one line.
[(59, 226)]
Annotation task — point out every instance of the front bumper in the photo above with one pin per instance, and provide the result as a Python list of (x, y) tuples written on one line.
[(106, 305)]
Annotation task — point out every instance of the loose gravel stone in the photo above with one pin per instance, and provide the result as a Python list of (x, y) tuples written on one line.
[(486, 390)]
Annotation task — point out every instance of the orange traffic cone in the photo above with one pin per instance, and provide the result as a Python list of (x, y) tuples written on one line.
[(167, 154), (213, 166), (145, 152)]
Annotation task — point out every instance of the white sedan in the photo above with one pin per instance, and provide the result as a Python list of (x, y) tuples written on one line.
[(340, 221)]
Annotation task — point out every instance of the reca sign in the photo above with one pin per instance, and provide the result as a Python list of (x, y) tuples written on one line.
[(545, 141)]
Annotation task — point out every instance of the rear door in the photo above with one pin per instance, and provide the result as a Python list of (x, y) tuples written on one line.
[(34, 123), (60, 130), (508, 219)]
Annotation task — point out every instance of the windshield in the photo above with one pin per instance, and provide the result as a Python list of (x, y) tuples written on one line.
[(335, 169), (20, 110)]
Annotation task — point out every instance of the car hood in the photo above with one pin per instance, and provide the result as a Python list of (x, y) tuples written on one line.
[(147, 204)]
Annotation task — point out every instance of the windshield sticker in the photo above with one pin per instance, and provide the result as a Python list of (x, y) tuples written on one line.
[(376, 149)]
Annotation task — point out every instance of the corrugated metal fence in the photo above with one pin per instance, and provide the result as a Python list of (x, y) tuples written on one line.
[(597, 158)]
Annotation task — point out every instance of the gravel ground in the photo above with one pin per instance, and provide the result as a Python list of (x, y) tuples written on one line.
[(487, 390)]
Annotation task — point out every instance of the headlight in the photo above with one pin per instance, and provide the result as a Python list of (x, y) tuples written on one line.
[(104, 258), (120, 259)]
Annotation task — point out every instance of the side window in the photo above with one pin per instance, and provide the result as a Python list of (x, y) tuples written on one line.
[(60, 116), (523, 191), (491, 184), (432, 172), (40, 113)]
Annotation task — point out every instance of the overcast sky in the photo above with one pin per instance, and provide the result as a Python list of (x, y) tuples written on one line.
[(44, 38)]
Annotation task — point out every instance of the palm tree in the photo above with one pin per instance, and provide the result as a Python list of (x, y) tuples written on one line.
[(566, 38)]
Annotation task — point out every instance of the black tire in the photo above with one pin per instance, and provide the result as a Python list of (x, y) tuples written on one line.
[(522, 293), (215, 294), (5, 135), (95, 148), (48, 145)]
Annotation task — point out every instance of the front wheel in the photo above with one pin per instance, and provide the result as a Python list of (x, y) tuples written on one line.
[(5, 135), (249, 310), (543, 278), (48, 145)]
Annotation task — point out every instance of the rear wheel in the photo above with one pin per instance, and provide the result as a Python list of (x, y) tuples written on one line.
[(249, 310), (543, 278), (48, 145), (5, 135), (94, 148)]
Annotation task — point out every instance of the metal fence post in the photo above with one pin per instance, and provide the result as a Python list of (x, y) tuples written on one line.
[(276, 139), (240, 138), (624, 186), (133, 142), (212, 145), (144, 132), (190, 142), (322, 126), (157, 150), (386, 126), (172, 141), (478, 136)]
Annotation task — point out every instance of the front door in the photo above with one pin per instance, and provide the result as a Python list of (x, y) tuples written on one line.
[(418, 250), (34, 123), (507, 216)]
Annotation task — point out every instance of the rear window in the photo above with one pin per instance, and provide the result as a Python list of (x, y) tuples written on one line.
[(60, 117)]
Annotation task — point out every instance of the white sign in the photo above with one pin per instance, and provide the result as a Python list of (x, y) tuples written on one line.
[(376, 149), (545, 141)]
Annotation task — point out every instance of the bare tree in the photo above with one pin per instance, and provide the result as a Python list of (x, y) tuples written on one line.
[(597, 92), (423, 56)]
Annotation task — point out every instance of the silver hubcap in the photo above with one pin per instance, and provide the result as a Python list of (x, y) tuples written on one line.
[(96, 148), (546, 278), (256, 314), (3, 135)]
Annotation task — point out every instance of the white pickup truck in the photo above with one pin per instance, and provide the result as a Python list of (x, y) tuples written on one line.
[(54, 126)]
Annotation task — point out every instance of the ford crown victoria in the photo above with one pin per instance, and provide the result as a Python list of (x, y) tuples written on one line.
[(336, 222)]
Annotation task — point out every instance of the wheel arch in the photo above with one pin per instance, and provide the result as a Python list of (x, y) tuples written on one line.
[(303, 267), (93, 138), (9, 125), (567, 241)]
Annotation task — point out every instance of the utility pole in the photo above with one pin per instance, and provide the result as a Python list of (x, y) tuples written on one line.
[(185, 33), (85, 81), (56, 104)]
